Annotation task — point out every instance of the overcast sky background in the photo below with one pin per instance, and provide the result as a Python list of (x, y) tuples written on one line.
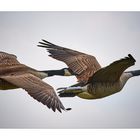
[(108, 36)]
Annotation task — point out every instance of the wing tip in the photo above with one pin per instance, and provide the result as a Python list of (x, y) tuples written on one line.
[(60, 108), (42, 46), (68, 109), (45, 44), (131, 57)]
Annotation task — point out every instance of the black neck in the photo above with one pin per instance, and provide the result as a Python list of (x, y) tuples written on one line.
[(54, 72), (135, 72)]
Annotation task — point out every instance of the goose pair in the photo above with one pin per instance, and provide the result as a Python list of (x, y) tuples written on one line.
[(94, 81), (14, 75)]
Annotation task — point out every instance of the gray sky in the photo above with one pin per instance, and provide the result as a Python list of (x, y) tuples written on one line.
[(107, 35)]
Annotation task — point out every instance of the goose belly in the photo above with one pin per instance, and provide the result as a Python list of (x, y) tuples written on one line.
[(4, 85), (86, 95), (100, 90)]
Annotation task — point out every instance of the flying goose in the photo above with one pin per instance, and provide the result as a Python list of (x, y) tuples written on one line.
[(94, 81), (14, 75)]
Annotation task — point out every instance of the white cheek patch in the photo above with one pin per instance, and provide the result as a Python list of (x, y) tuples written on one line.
[(44, 75), (67, 73)]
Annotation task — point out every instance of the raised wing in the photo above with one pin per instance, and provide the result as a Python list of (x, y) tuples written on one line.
[(113, 72), (8, 59), (36, 88), (83, 65)]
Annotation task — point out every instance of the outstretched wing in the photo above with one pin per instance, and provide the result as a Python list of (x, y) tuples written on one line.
[(36, 88), (83, 65), (8, 59), (113, 72)]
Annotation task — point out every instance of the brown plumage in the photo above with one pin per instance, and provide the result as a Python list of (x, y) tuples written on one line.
[(13, 74), (94, 81), (83, 65), (112, 72)]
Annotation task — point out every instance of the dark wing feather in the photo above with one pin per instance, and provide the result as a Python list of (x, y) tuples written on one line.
[(36, 88), (8, 59), (113, 72), (83, 65)]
